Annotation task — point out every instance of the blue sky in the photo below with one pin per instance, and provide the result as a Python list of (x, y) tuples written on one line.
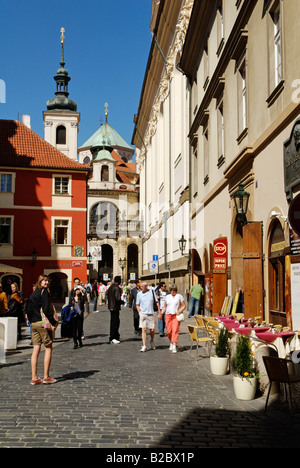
[(107, 43)]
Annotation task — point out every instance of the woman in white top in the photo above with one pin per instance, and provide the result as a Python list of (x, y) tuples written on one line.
[(174, 305)]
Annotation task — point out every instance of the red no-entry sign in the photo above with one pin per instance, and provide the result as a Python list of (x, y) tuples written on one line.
[(294, 215)]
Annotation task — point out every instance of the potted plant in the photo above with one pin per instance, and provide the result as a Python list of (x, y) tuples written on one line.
[(219, 360), (245, 380)]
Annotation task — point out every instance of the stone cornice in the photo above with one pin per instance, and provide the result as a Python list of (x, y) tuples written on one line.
[(167, 75)]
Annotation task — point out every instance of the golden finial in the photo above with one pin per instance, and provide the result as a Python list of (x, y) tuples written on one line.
[(62, 37)]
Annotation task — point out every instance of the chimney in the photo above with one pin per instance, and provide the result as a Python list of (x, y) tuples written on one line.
[(26, 120)]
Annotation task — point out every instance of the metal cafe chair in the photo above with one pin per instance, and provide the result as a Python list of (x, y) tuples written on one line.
[(193, 331), (277, 370)]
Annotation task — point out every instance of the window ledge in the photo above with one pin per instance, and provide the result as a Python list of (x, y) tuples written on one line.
[(274, 95), (62, 195), (242, 135)]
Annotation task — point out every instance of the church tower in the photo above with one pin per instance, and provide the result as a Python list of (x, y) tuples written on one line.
[(61, 118)]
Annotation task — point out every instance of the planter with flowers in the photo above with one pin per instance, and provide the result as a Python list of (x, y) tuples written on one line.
[(245, 380), (219, 361)]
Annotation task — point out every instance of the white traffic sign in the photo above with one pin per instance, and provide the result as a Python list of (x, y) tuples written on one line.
[(153, 267)]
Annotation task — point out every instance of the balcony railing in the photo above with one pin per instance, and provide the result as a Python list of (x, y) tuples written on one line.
[(122, 228)]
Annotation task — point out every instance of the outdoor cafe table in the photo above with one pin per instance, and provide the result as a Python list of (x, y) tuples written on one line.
[(250, 330), (285, 342)]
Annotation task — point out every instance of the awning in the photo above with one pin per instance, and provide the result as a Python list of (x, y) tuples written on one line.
[(10, 269)]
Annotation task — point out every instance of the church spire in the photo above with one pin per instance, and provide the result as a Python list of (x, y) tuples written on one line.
[(62, 41), (62, 101)]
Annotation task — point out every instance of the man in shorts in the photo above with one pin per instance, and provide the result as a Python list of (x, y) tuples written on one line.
[(146, 301)]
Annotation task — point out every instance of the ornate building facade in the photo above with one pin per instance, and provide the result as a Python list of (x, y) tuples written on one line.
[(160, 136), (113, 225)]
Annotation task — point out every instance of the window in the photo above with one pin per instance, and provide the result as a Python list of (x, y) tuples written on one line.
[(277, 44), (205, 66), (104, 219), (6, 182), (5, 230), (61, 227), (275, 62), (104, 174), (61, 185), (220, 27), (242, 98), (206, 154), (61, 135), (195, 170), (220, 123)]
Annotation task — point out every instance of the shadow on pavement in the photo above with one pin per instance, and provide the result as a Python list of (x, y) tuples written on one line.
[(221, 428), (76, 375)]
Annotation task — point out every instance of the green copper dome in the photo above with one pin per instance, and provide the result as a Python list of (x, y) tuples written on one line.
[(109, 135)]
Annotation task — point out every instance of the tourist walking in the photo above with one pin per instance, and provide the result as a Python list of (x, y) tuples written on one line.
[(161, 293), (95, 294), (40, 301), (101, 292), (146, 304), (79, 284), (132, 307), (114, 294), (77, 305), (174, 305), (15, 304), (3, 302), (196, 292)]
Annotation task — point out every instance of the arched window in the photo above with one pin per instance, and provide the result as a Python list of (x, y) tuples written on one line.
[(104, 220), (104, 174), (61, 135)]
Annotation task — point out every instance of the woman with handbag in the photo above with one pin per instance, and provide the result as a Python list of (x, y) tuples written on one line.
[(173, 310), (40, 314)]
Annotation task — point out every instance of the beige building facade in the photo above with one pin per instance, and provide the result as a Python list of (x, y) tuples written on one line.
[(239, 59), (219, 114)]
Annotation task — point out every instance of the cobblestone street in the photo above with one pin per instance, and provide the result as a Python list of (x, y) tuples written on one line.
[(115, 397)]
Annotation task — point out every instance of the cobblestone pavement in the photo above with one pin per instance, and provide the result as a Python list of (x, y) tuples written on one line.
[(115, 397)]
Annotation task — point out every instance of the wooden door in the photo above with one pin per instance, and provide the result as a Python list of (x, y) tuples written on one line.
[(253, 270)]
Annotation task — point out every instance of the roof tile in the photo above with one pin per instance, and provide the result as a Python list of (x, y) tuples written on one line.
[(22, 147)]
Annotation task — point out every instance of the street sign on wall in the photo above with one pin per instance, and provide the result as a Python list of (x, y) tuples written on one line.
[(220, 255)]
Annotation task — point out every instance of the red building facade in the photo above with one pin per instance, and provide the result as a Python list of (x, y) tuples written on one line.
[(42, 212)]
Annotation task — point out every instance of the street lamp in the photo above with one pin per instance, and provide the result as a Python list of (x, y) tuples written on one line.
[(122, 263), (241, 200), (182, 244)]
